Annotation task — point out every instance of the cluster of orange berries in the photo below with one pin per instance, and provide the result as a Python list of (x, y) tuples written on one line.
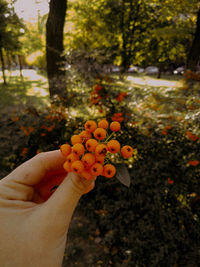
[(89, 150)]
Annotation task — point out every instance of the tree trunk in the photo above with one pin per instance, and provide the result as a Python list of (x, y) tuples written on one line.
[(194, 54), (54, 48), (3, 66)]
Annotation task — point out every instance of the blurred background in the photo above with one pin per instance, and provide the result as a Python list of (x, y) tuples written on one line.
[(63, 62)]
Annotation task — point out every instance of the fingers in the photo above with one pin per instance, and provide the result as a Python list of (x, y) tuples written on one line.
[(64, 200), (32, 171)]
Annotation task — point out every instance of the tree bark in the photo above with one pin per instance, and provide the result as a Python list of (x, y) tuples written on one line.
[(194, 54), (3, 66), (54, 48)]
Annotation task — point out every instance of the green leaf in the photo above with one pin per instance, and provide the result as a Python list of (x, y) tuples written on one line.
[(122, 175)]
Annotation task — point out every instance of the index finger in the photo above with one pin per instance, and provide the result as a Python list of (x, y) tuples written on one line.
[(32, 171)]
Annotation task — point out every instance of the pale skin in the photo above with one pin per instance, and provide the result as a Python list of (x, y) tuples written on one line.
[(33, 232)]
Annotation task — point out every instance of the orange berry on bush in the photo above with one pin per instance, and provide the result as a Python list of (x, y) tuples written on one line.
[(67, 166), (115, 126), (99, 159), (77, 166), (100, 133), (65, 149), (91, 145), (113, 146), (96, 169), (72, 157), (109, 170), (127, 152), (103, 124), (87, 175), (90, 126), (78, 149), (88, 159), (101, 150), (85, 135), (76, 139)]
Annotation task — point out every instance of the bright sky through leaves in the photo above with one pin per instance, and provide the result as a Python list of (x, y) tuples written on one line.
[(28, 9)]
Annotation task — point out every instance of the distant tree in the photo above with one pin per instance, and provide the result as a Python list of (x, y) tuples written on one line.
[(10, 31), (54, 47), (194, 53)]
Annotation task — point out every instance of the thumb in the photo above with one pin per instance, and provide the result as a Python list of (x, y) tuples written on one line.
[(64, 200)]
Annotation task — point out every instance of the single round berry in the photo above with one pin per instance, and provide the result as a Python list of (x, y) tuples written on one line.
[(113, 146), (115, 126), (91, 145), (100, 133), (78, 149), (127, 152), (65, 149), (76, 139), (67, 166), (90, 126), (88, 159), (109, 170), (101, 150), (85, 135), (99, 159), (103, 124), (72, 157), (77, 166), (96, 169)]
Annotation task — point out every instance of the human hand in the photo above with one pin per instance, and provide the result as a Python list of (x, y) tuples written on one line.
[(33, 232)]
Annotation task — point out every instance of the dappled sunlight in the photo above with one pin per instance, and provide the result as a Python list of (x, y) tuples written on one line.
[(150, 81)]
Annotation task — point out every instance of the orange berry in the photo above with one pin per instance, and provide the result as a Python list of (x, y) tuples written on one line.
[(113, 146), (103, 124), (100, 133), (85, 135), (77, 166), (115, 126), (65, 149), (90, 126), (99, 159), (96, 169), (76, 139), (101, 150), (88, 159), (91, 145), (78, 149), (109, 170), (72, 157), (127, 151), (67, 166), (87, 175)]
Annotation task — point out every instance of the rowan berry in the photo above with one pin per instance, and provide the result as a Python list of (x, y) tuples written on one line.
[(90, 126), (91, 145), (96, 169), (109, 170), (85, 135), (103, 124), (78, 149), (115, 126), (76, 139), (113, 146), (127, 152), (87, 175), (100, 133), (88, 159), (65, 149), (101, 150), (72, 157), (77, 166), (67, 166), (99, 159)]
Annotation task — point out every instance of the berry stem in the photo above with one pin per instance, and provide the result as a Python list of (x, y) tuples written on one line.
[(109, 137)]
